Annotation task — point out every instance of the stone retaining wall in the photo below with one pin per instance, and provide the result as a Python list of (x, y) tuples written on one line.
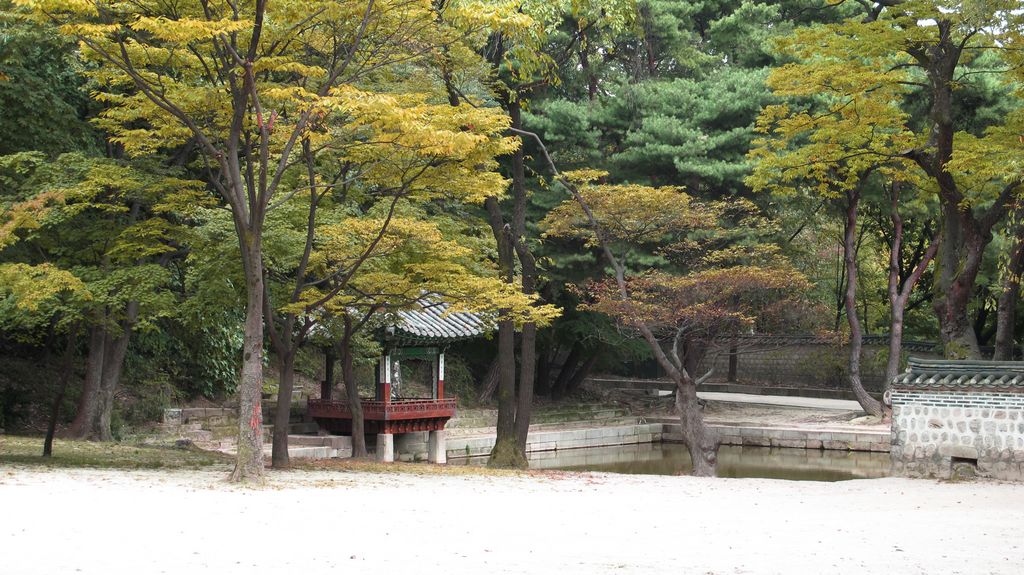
[(562, 439), (804, 439), (792, 437), (413, 446), (410, 447), (934, 430)]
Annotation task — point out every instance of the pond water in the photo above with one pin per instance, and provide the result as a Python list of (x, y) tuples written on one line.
[(672, 459)]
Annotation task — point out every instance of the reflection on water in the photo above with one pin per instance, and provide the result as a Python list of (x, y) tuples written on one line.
[(672, 459)]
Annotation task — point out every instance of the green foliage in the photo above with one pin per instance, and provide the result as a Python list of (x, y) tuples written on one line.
[(712, 282), (671, 102), (684, 107), (98, 231), (42, 92), (459, 381), (859, 115), (695, 132)]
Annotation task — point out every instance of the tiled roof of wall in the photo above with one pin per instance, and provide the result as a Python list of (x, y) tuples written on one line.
[(962, 375)]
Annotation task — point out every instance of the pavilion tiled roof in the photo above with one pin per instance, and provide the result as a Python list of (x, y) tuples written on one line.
[(434, 323), (961, 375)]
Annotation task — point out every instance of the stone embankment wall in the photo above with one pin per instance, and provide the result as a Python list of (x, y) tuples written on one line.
[(413, 446), (933, 431)]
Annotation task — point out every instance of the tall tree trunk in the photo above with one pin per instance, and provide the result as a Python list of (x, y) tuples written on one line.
[(959, 261), (285, 340), (892, 365), (868, 403), (1006, 314), (900, 294), (504, 453), (543, 386), (507, 451), (584, 53), (113, 364), (964, 232), (527, 372), (567, 370), (283, 409), (528, 265), (490, 384), (86, 411), (581, 373), (99, 428), (897, 305), (734, 362), (249, 459), (701, 442), (67, 366), (327, 385), (352, 392)]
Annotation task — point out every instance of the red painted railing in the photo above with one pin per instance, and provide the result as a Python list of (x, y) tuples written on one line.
[(383, 411)]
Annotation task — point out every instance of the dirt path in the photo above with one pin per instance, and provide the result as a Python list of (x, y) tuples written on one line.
[(116, 522), (797, 417)]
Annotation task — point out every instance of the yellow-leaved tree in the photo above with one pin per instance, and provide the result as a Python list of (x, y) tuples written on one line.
[(718, 276), (526, 43), (361, 232), (250, 88)]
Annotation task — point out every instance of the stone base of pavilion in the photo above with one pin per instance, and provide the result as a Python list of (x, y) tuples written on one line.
[(409, 446)]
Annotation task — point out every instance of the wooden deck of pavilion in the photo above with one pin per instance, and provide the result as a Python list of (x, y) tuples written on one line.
[(420, 334)]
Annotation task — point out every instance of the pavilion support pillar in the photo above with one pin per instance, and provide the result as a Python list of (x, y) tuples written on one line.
[(385, 447), (439, 388), (384, 379), (437, 449), (327, 385)]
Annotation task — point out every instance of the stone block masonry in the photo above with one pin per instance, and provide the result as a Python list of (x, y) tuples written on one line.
[(793, 438), (562, 439), (933, 431)]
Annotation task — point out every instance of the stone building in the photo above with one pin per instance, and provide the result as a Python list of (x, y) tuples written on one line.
[(951, 417)]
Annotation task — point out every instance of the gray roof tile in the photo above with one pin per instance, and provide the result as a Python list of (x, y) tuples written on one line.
[(962, 375), (434, 323)]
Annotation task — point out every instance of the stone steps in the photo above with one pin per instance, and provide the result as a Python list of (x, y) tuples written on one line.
[(333, 441), (311, 452)]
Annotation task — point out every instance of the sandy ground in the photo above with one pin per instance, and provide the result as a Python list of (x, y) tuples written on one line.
[(720, 413), (308, 522)]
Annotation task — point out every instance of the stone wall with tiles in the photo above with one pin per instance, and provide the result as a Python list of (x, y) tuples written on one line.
[(933, 429), (797, 362), (808, 362)]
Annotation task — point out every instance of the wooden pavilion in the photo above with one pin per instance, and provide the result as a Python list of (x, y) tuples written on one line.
[(421, 334)]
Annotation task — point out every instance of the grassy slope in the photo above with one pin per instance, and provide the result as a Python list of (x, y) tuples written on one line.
[(28, 450)]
